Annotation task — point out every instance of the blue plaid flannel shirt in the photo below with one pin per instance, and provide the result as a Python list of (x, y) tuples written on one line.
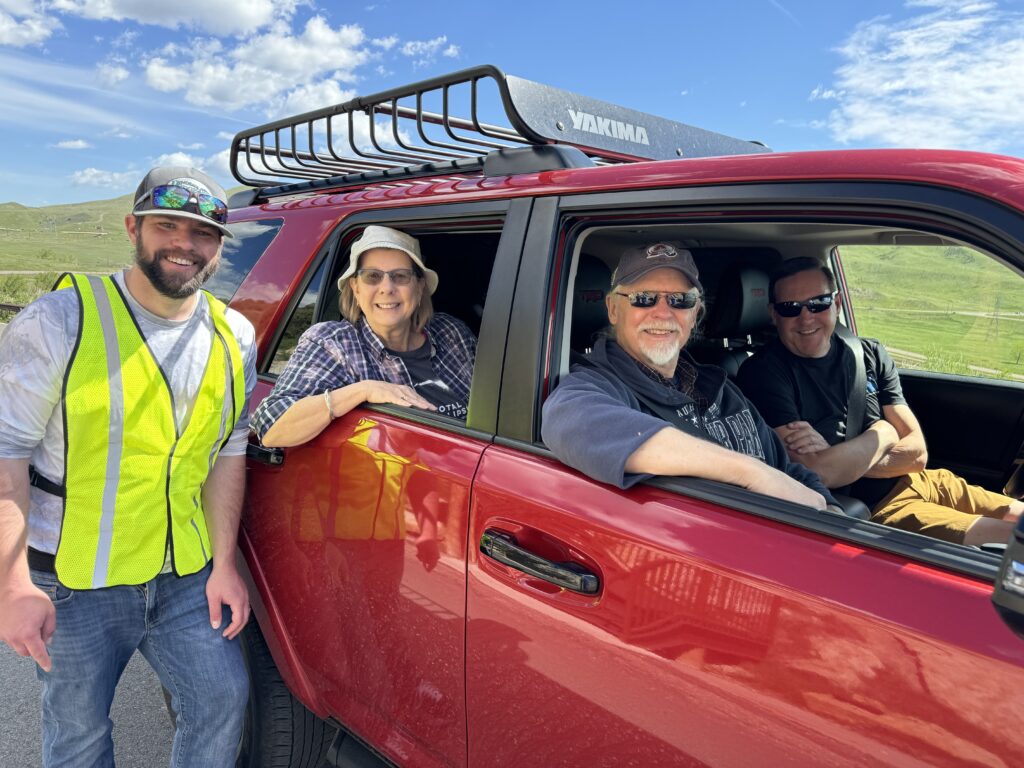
[(334, 354)]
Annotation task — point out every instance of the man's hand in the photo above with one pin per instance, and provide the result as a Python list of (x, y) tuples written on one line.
[(27, 622), (772, 482), (801, 438), (226, 587)]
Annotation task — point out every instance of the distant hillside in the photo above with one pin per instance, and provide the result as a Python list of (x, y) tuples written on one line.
[(87, 236)]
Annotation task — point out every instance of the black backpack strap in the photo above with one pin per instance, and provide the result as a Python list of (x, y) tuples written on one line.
[(859, 389), (44, 483)]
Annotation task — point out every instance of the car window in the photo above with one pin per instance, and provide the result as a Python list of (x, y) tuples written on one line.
[(462, 259), (943, 308), (240, 254), (300, 320)]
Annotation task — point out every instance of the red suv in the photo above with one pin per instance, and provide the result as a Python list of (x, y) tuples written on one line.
[(554, 620)]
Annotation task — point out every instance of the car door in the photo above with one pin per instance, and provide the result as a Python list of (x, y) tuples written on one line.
[(685, 622), (359, 535)]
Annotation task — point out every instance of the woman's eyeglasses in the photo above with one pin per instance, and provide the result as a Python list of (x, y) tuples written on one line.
[(647, 299), (172, 197), (376, 276), (814, 305)]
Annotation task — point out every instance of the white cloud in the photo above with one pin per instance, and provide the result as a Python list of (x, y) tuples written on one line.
[(21, 25), (120, 132), (263, 69), (219, 166), (177, 158), (191, 147), (423, 48), (110, 74), (387, 43), (946, 77), (226, 17), (821, 93), (73, 144), (225, 135), (425, 52), (312, 96), (94, 177)]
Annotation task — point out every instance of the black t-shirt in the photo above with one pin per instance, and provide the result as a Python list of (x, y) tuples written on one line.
[(428, 384), (785, 388)]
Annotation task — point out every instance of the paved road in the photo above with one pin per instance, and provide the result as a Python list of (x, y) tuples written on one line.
[(142, 729)]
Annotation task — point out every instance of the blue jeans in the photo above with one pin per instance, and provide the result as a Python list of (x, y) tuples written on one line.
[(168, 621)]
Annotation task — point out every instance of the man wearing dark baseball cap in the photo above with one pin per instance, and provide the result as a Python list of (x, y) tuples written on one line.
[(640, 406), (123, 427)]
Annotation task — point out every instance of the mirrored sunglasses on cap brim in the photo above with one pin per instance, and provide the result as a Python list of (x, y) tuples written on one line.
[(172, 197)]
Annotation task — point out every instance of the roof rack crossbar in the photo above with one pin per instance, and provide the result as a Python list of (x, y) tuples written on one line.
[(309, 146)]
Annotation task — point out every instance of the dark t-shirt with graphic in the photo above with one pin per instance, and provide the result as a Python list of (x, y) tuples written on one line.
[(428, 384), (786, 388)]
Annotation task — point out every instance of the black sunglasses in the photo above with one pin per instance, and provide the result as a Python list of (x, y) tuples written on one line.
[(814, 305), (647, 299), (172, 197)]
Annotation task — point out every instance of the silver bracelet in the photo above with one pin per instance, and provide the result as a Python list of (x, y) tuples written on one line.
[(327, 402)]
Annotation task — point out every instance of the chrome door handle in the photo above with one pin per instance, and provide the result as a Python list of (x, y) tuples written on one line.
[(502, 547)]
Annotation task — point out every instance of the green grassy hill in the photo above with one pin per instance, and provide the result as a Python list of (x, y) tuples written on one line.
[(87, 236), (955, 307)]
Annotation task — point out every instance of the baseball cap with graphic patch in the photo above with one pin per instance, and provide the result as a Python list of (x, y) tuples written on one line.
[(187, 192), (637, 261)]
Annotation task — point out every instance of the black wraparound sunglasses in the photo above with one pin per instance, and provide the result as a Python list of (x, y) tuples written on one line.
[(814, 305)]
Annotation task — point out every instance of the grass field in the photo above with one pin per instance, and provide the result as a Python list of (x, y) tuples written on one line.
[(956, 308)]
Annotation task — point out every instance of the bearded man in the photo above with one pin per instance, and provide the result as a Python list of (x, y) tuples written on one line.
[(640, 406), (123, 428)]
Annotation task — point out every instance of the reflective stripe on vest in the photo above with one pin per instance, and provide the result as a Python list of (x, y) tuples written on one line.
[(133, 479)]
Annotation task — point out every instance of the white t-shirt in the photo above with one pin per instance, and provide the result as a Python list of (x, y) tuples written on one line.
[(34, 353)]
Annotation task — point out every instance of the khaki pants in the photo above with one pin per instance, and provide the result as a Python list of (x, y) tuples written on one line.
[(937, 503)]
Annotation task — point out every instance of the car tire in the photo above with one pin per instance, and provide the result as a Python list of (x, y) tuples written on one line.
[(278, 732)]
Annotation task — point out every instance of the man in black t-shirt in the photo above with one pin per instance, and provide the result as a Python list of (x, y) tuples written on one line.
[(801, 384)]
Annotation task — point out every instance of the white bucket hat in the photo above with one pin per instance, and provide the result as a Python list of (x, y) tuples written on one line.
[(375, 236)]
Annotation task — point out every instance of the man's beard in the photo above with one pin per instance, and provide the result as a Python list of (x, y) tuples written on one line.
[(169, 285), (665, 352)]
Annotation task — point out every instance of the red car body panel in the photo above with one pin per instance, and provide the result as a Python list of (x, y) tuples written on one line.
[(713, 620)]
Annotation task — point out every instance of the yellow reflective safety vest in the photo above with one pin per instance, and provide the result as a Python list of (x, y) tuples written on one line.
[(132, 479)]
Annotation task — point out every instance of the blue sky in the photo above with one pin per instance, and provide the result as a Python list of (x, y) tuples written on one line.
[(94, 92)]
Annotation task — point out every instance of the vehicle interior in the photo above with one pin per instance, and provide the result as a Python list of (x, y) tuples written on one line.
[(463, 260), (974, 424)]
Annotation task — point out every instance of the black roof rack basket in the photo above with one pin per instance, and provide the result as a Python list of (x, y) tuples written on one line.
[(370, 139)]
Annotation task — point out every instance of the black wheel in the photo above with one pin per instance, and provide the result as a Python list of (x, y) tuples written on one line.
[(278, 732)]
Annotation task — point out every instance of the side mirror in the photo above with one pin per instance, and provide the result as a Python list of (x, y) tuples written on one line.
[(1008, 597)]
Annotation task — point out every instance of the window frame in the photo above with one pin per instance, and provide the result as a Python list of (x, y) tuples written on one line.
[(535, 341), (485, 387)]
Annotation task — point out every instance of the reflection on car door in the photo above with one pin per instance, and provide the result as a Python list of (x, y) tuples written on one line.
[(719, 638), (362, 532)]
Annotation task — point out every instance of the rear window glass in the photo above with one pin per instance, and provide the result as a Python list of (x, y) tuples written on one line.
[(240, 254)]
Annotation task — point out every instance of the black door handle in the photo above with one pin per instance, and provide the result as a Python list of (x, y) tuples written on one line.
[(272, 456), (502, 547)]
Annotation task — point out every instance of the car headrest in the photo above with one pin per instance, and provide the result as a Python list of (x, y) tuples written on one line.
[(741, 305), (593, 281)]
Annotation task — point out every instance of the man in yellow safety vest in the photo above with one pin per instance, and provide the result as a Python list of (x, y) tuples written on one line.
[(123, 423)]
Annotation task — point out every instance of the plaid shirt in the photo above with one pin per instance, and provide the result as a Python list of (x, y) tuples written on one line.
[(336, 353)]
